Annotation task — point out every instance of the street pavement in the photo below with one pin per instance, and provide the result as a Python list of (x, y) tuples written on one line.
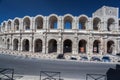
[(30, 68)]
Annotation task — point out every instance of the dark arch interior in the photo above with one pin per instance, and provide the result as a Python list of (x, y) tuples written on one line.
[(26, 45), (39, 23), (110, 45), (8, 44), (38, 45), (96, 46), (9, 25), (110, 24), (53, 22), (67, 46), (16, 24), (27, 23), (82, 23), (68, 22), (96, 23), (15, 44), (82, 46), (52, 46)]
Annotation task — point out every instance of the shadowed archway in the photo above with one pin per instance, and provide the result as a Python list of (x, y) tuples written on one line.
[(15, 44), (110, 47), (25, 45), (96, 46), (52, 46), (82, 46), (67, 46), (38, 45)]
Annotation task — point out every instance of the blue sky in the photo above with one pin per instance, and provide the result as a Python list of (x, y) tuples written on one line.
[(21, 8)]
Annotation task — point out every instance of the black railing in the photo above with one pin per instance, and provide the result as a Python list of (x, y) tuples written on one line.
[(96, 77), (6, 74), (50, 75)]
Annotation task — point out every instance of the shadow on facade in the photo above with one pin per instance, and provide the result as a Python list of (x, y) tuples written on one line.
[(113, 74)]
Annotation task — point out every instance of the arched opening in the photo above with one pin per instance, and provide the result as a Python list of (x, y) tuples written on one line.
[(39, 23), (3, 42), (26, 23), (110, 24), (8, 44), (82, 46), (119, 24), (68, 22), (52, 46), (82, 23), (38, 45), (110, 47), (15, 44), (96, 23), (25, 45), (96, 46), (3, 27), (67, 46), (16, 24), (53, 22), (9, 26)]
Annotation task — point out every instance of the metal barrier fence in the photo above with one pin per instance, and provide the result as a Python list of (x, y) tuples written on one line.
[(6, 74), (50, 75), (96, 77)]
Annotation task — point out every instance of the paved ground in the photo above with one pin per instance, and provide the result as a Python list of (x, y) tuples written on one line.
[(70, 70)]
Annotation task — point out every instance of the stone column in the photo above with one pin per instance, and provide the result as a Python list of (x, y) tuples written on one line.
[(59, 23), (33, 46), (21, 26), (115, 46), (87, 46), (19, 45), (75, 45), (31, 24), (90, 45), (11, 43), (44, 45), (117, 51), (101, 26), (101, 48), (30, 45), (62, 44), (115, 27), (5, 42), (44, 23), (105, 25), (86, 25), (47, 22), (105, 45), (59, 44), (62, 23), (91, 24), (118, 46), (73, 24)]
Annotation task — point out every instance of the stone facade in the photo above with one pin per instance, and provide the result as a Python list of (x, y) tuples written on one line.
[(99, 34)]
